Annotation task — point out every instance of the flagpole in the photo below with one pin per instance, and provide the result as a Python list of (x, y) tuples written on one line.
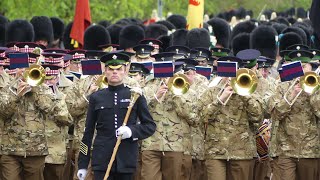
[(160, 7)]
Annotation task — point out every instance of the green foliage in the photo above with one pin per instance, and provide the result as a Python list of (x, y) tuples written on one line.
[(116, 9)]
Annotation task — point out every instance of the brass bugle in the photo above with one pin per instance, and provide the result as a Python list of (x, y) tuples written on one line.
[(34, 75), (244, 84), (309, 83), (102, 82), (179, 84)]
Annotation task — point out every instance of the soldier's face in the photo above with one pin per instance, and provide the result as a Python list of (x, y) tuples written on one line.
[(115, 76)]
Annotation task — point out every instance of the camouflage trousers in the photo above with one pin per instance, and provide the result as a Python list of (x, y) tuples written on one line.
[(221, 169), (292, 168), (19, 167)]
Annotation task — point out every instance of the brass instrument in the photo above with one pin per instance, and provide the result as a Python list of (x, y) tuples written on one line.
[(309, 83), (244, 84), (34, 75), (102, 82), (179, 84)]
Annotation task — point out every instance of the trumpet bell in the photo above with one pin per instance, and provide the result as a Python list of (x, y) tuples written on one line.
[(310, 82), (102, 82), (245, 83), (34, 75), (179, 84)]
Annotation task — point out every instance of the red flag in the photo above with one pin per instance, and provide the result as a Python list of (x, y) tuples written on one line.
[(82, 20)]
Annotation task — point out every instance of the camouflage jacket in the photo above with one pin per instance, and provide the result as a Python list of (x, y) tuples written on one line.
[(230, 131), (24, 128), (57, 134), (200, 85), (295, 129), (173, 117), (4, 81)]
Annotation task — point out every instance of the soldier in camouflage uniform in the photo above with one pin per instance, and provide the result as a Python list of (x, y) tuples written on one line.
[(164, 153), (5, 79), (230, 144), (295, 141), (24, 144), (199, 84), (57, 130)]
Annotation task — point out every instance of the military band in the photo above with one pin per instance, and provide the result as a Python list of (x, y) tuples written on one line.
[(236, 100)]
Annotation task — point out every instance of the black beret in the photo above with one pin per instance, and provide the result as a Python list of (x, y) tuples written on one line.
[(43, 29), (95, 36), (130, 36), (19, 31)]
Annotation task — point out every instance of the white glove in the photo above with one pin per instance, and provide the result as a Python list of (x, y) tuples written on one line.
[(125, 131), (136, 90), (82, 173)]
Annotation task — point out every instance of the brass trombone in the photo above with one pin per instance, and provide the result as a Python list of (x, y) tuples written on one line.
[(309, 83), (244, 84)]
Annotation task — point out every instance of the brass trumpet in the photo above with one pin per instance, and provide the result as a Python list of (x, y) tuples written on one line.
[(244, 84), (309, 83), (179, 84)]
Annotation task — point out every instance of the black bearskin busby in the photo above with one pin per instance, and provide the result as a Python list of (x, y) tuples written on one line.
[(95, 36), (263, 39), (130, 36)]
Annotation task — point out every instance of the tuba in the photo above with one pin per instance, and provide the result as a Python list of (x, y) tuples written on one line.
[(309, 83), (179, 84), (244, 84)]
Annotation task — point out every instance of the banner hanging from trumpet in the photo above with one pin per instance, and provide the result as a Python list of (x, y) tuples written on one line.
[(91, 67), (204, 71), (19, 60), (163, 69), (195, 14), (227, 69), (290, 71)]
